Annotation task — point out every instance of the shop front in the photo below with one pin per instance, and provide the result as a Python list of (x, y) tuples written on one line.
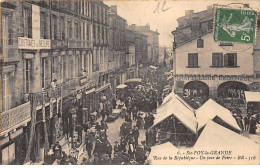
[(14, 134), (214, 86)]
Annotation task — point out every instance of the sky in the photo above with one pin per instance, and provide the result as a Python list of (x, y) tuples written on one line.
[(142, 12)]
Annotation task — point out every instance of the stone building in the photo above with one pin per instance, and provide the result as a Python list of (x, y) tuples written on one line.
[(117, 49), (204, 67), (54, 59), (152, 41)]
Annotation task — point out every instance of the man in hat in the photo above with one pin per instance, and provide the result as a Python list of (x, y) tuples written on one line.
[(117, 148), (136, 135)]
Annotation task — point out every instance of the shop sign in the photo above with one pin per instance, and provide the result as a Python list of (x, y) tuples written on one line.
[(15, 117), (33, 44), (214, 77), (83, 81)]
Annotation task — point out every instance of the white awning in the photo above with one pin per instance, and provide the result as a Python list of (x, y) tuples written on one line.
[(90, 91), (252, 96), (211, 109), (215, 137), (180, 111), (122, 86), (162, 150), (134, 80), (102, 88)]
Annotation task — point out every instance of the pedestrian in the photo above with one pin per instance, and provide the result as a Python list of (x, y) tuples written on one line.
[(108, 148), (252, 129), (146, 120), (117, 148), (136, 135), (99, 147), (123, 143), (246, 122), (89, 147), (134, 113), (139, 122), (131, 148), (103, 125)]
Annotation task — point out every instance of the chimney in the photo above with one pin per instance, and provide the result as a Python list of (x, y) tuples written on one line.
[(188, 12), (113, 9)]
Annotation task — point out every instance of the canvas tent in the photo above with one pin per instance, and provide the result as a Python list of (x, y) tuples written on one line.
[(175, 96), (180, 111), (215, 137), (210, 110), (165, 149), (252, 96)]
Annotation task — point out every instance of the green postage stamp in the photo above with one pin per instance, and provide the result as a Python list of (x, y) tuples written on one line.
[(235, 25)]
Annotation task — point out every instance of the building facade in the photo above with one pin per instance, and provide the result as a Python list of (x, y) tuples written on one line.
[(130, 54), (54, 59), (152, 41), (117, 50), (204, 67)]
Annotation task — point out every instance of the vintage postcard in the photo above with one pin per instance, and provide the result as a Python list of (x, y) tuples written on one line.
[(130, 82)]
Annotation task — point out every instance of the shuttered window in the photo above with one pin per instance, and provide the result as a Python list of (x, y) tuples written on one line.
[(230, 60), (193, 60), (27, 22), (217, 59)]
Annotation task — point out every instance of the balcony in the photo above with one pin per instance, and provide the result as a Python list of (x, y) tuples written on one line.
[(59, 44), (15, 117), (45, 96), (75, 43), (10, 53)]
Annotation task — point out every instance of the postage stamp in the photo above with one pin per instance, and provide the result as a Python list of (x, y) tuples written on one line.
[(235, 25)]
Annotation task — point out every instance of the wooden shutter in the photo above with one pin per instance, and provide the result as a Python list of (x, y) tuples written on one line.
[(226, 60), (221, 59), (235, 59), (189, 60), (196, 60), (213, 59), (10, 30)]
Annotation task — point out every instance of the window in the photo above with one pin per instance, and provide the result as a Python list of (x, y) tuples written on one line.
[(54, 27), (217, 59), (54, 69), (69, 28), (193, 60), (43, 25), (7, 29), (230, 60), (28, 64), (76, 30), (200, 43), (94, 32), (62, 25), (88, 32), (6, 101), (27, 22), (43, 73), (64, 68)]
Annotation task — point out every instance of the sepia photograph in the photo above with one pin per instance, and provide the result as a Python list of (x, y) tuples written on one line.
[(130, 82)]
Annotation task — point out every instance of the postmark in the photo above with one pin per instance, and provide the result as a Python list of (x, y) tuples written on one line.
[(235, 25)]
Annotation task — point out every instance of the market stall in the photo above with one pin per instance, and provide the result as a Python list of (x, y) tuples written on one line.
[(175, 122), (215, 137), (213, 111)]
